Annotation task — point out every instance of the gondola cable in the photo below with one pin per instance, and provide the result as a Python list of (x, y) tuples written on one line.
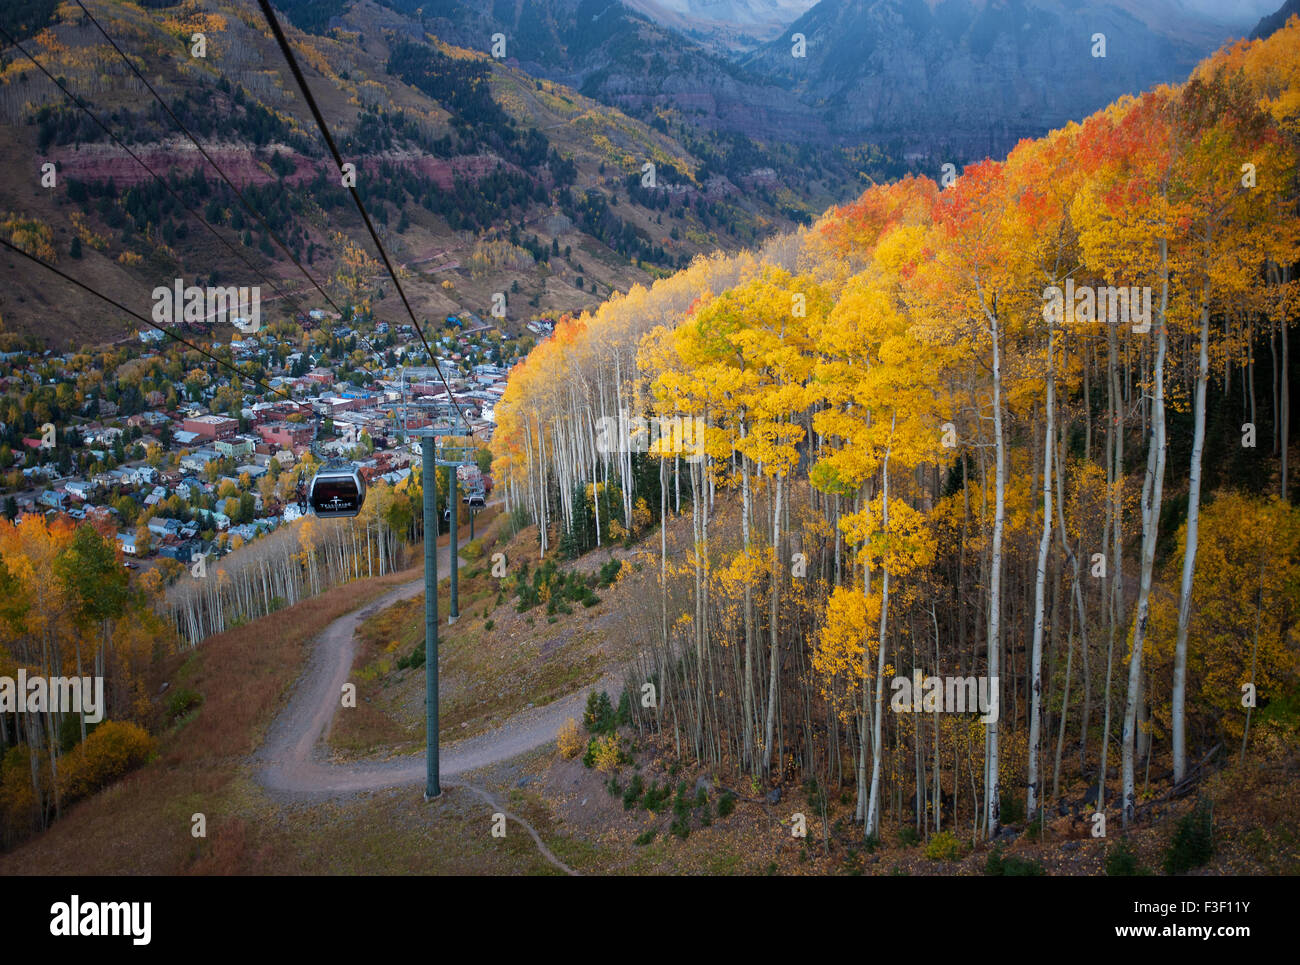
[(335, 485), (292, 61), (342, 488), (162, 181), (337, 490), (148, 321), (193, 140), (335, 474)]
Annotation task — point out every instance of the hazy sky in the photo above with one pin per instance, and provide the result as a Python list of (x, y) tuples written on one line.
[(1225, 11), (1235, 9)]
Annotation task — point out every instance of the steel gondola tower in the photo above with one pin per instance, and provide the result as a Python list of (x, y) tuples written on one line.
[(430, 483)]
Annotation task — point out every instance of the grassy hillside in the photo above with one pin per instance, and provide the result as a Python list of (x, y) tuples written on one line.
[(653, 813), (482, 179)]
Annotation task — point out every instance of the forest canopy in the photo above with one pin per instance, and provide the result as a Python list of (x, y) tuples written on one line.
[(917, 459)]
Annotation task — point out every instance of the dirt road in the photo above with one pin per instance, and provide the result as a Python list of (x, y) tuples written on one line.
[(291, 761)]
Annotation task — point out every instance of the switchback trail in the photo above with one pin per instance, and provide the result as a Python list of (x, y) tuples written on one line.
[(290, 761)]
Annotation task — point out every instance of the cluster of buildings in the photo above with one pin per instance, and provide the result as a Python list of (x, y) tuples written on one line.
[(335, 417)]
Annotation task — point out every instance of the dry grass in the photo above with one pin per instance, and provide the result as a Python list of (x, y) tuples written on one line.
[(486, 675), (141, 825), (243, 672)]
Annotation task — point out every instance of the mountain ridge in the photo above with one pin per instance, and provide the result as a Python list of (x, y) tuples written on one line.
[(960, 80), (456, 152)]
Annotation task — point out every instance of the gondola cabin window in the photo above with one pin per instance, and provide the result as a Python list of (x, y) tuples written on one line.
[(337, 493)]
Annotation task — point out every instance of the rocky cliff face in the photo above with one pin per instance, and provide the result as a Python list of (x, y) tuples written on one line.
[(106, 162), (961, 79), (1275, 21)]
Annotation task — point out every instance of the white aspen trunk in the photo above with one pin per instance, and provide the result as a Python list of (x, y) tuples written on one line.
[(992, 779), (677, 485), (624, 454), (1178, 717), (1079, 604), (528, 462), (864, 711), (773, 661), (1152, 491), (595, 499), (1115, 599), (699, 592), (541, 485), (663, 557), (1040, 586), (873, 797), (746, 509)]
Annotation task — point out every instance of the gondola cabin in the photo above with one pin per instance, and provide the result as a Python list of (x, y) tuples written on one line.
[(337, 492)]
